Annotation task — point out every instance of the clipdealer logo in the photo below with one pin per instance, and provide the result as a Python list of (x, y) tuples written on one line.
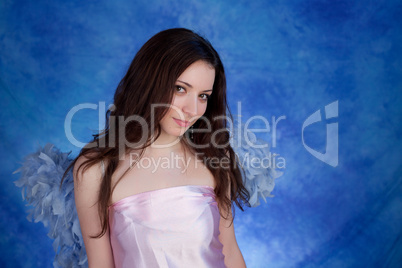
[(330, 156)]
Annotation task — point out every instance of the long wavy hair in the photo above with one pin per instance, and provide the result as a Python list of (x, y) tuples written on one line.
[(151, 79)]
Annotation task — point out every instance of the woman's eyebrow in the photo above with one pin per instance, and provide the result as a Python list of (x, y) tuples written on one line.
[(190, 86)]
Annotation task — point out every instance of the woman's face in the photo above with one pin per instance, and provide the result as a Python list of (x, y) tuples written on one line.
[(193, 87)]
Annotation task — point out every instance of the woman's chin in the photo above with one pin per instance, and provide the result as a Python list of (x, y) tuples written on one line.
[(178, 133)]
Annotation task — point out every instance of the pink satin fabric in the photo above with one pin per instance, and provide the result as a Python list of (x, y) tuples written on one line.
[(170, 227)]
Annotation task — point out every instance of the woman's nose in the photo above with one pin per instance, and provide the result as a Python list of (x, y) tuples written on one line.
[(190, 106)]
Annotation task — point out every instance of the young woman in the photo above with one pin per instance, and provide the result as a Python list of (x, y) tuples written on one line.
[(156, 187)]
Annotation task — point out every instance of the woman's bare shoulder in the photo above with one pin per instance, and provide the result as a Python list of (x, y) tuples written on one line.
[(86, 173)]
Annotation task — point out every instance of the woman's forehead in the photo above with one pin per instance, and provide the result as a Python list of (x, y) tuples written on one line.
[(199, 75)]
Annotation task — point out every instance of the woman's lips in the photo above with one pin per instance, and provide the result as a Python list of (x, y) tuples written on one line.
[(181, 122)]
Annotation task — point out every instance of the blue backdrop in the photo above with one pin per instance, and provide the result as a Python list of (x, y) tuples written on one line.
[(284, 59)]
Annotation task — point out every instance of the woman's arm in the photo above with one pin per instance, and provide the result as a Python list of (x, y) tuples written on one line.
[(231, 250), (233, 256), (86, 189)]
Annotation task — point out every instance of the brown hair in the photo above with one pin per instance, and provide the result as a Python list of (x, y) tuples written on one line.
[(151, 79)]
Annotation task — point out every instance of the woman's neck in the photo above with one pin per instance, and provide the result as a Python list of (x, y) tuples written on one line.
[(167, 145)]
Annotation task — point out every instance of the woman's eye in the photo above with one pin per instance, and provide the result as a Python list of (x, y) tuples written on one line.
[(204, 96), (180, 88)]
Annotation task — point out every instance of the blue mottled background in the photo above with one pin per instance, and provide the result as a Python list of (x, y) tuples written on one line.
[(283, 58)]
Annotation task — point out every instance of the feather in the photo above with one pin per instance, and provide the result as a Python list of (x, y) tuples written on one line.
[(257, 169), (41, 174)]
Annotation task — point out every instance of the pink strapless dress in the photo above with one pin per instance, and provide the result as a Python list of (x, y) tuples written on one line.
[(170, 227)]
